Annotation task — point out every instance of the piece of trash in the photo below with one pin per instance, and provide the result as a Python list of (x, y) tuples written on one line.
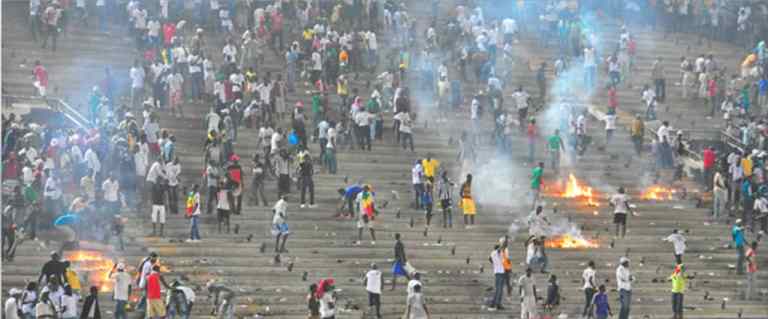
[(304, 276)]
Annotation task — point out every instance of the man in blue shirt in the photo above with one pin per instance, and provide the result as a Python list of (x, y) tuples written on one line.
[(348, 196), (737, 233)]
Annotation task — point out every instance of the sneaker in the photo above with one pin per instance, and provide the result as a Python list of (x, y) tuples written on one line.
[(312, 206), (189, 241), (373, 243), (302, 205), (357, 243)]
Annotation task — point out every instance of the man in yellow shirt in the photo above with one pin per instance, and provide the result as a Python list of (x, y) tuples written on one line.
[(431, 167), (678, 280)]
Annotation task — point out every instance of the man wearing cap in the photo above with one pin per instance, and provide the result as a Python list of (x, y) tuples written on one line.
[(624, 280), (678, 280), (737, 234), (122, 289), (53, 268), (11, 309), (497, 260), (373, 282)]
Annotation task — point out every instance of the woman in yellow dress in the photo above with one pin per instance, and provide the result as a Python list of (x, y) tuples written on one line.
[(467, 203)]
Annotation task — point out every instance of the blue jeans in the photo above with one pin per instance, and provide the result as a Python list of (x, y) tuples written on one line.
[(625, 299), (120, 309), (194, 232), (499, 294)]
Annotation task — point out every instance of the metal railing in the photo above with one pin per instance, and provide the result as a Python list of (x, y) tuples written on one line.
[(53, 104)]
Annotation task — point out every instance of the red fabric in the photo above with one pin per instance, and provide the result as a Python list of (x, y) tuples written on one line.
[(153, 286), (709, 158), (613, 100), (277, 22), (228, 95), (41, 75), (11, 169), (169, 31), (235, 174), (531, 131), (712, 88), (631, 47)]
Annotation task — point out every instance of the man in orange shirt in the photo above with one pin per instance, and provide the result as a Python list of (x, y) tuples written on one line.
[(504, 241)]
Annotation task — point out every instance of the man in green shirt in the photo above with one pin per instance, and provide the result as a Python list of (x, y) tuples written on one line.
[(554, 145), (536, 174), (678, 280)]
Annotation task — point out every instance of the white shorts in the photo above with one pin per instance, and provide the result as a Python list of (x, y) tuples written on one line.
[(158, 214)]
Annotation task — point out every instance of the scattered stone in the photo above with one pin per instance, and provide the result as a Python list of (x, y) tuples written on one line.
[(411, 223), (468, 260), (276, 260), (304, 276), (395, 195), (384, 204), (237, 229), (290, 267), (263, 247), (249, 237), (397, 215), (426, 231), (453, 251), (439, 239)]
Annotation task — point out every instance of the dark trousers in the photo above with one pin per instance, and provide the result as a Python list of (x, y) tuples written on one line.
[(374, 300), (661, 89), (364, 137), (407, 138), (588, 294), (307, 184), (283, 184), (740, 260), (677, 304), (53, 33), (499, 293), (211, 198), (173, 199), (625, 299)]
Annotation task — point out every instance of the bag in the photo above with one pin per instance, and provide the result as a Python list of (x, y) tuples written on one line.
[(190, 204), (409, 268)]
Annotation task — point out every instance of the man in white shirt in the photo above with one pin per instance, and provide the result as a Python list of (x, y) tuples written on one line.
[(172, 171), (11, 309), (620, 203), (678, 241), (111, 189), (122, 289), (317, 66), (417, 178), (92, 162), (590, 286), (610, 126), (52, 195), (415, 281), (521, 103), (528, 295), (509, 27), (363, 120), (406, 135), (373, 282), (499, 277), (624, 286), (137, 84)]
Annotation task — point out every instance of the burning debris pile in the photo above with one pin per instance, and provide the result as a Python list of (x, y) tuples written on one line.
[(569, 241), (576, 189), (657, 192), (94, 266)]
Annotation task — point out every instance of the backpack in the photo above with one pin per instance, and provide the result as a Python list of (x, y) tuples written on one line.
[(190, 204)]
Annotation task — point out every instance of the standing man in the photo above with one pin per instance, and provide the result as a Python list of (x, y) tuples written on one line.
[(751, 269), (158, 209), (306, 173), (528, 295), (620, 203), (398, 268), (737, 233), (555, 145), (496, 260), (638, 133), (536, 175), (678, 280), (445, 195), (659, 80), (137, 83), (373, 281), (624, 285), (588, 277), (719, 194), (122, 284), (467, 202), (417, 178)]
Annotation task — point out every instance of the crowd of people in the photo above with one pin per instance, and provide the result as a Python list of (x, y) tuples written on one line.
[(72, 184)]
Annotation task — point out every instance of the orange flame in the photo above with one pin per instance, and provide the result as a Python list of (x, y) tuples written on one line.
[(658, 193), (94, 265), (570, 241), (575, 189)]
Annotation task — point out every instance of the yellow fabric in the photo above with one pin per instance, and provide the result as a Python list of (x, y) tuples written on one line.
[(341, 88), (746, 165), (468, 206), (637, 128), (678, 282), (430, 167), (72, 279), (750, 60)]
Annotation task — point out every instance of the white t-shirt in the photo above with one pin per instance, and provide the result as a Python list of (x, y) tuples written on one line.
[(70, 303), (110, 190), (521, 99), (416, 173), (11, 309), (509, 26), (373, 281), (405, 121), (363, 118), (122, 280), (619, 202), (498, 265), (326, 310), (331, 137), (317, 63), (151, 129), (137, 77), (587, 275), (678, 241)]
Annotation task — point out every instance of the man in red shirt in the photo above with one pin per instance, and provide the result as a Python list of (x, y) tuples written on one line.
[(751, 258), (41, 78), (155, 305), (709, 166)]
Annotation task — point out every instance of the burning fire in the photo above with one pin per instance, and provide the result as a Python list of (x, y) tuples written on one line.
[(658, 193), (94, 265), (570, 241), (574, 189)]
